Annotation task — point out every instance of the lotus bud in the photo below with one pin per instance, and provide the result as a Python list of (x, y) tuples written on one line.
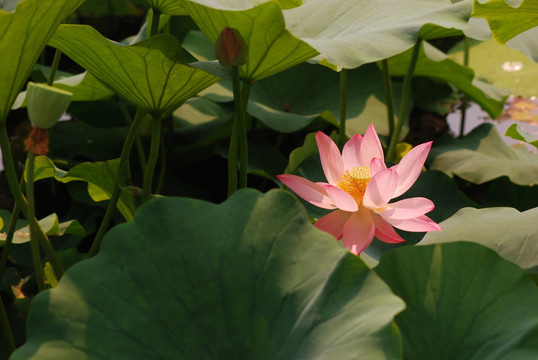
[(230, 48), (46, 104)]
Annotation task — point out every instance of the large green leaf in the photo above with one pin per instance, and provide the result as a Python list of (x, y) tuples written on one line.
[(149, 74), (435, 64), (350, 33), (463, 302), (509, 232), (100, 177), (23, 35), (482, 155), (508, 18), (187, 279), (271, 48)]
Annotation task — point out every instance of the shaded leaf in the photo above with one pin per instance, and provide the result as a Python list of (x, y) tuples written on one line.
[(463, 302), (170, 7), (249, 278), (23, 35), (148, 74), (482, 155)]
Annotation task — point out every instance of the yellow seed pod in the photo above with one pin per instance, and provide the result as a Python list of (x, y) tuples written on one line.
[(46, 104)]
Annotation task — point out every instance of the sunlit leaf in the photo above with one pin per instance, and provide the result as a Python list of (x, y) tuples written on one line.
[(515, 132), (351, 33), (148, 74), (482, 155), (249, 278), (23, 35), (51, 226), (100, 177), (507, 20), (271, 48), (463, 302), (507, 231)]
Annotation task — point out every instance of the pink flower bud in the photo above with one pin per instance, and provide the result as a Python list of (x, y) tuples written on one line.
[(230, 48)]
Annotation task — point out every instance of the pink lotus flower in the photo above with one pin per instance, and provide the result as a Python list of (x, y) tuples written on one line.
[(360, 186)]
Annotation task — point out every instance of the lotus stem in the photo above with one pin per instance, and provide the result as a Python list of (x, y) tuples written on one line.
[(389, 98), (243, 142), (404, 106), (343, 107), (34, 232), (155, 17), (138, 143), (464, 99), (114, 197), (152, 158), (54, 66)]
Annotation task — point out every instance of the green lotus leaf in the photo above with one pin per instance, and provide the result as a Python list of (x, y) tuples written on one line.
[(507, 18), (517, 133), (270, 47), (350, 33), (463, 302), (148, 74), (100, 177), (170, 7), (23, 35), (482, 155), (507, 231), (435, 64), (249, 278), (51, 226)]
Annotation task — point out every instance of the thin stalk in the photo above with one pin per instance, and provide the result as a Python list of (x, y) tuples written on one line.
[(138, 142), (155, 17), (124, 157), (54, 66), (464, 99), (233, 152), (389, 98), (404, 106), (242, 132), (343, 107), (162, 169), (9, 340), (14, 187), (34, 232), (152, 158)]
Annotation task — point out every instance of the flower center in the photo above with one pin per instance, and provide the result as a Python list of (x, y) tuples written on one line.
[(354, 182)]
